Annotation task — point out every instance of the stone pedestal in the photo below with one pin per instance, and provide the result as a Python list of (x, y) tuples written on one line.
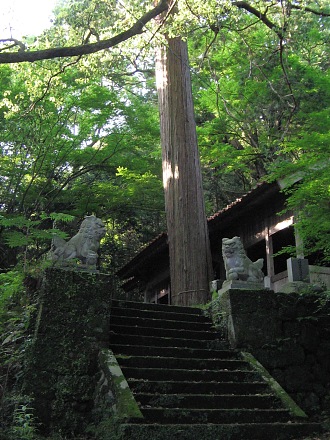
[(247, 315), (298, 270), (298, 275), (241, 285)]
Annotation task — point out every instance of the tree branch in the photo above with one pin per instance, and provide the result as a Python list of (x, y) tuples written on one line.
[(85, 49), (21, 45), (307, 9), (260, 15)]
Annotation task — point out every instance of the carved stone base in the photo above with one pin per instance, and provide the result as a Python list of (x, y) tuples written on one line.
[(244, 285)]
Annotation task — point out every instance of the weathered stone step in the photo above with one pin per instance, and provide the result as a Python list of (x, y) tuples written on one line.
[(189, 385), (156, 307), (196, 387), (159, 315), (194, 375), (209, 401), (178, 352), (243, 431), (182, 363), (192, 415), (161, 323), (164, 332), (156, 341)]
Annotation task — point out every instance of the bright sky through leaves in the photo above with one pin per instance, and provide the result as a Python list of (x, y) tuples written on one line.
[(24, 17)]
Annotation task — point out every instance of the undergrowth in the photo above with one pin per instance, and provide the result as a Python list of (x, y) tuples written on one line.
[(17, 305)]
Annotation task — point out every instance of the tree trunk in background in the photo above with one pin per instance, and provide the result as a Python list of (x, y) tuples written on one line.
[(189, 247)]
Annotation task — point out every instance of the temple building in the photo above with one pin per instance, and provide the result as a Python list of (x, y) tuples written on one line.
[(255, 219)]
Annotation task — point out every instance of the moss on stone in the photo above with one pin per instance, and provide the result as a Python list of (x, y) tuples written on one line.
[(286, 400), (114, 382), (71, 327)]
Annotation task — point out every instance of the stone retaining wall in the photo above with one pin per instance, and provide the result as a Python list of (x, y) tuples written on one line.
[(289, 334), (71, 327)]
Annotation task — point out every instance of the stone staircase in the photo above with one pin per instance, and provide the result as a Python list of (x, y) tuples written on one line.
[(189, 384)]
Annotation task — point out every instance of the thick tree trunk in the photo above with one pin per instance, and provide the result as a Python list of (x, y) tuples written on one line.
[(189, 248)]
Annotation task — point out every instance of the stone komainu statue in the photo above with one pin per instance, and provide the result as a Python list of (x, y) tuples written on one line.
[(82, 247), (238, 266)]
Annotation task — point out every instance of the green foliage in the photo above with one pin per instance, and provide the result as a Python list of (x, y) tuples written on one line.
[(311, 200), (16, 307), (263, 114), (81, 136), (20, 232), (62, 145), (24, 423), (69, 126), (11, 283)]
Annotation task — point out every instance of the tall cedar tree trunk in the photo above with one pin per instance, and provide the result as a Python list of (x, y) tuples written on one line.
[(189, 247)]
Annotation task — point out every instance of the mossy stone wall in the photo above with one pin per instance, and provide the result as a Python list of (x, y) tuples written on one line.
[(289, 334), (71, 327)]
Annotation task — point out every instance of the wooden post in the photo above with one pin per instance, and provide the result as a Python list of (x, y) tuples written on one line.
[(189, 247)]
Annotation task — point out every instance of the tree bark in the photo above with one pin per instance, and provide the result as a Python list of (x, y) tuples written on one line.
[(189, 247)]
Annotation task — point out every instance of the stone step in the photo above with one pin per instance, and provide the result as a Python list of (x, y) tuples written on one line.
[(169, 314), (178, 352), (163, 332), (182, 363), (209, 401), (188, 383), (223, 416), (193, 375), (243, 431), (132, 321), (155, 307), (156, 341), (196, 387)]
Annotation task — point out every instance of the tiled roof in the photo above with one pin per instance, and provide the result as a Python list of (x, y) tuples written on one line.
[(248, 200), (235, 202)]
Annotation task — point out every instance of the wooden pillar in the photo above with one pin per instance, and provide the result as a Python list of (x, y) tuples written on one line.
[(269, 256)]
